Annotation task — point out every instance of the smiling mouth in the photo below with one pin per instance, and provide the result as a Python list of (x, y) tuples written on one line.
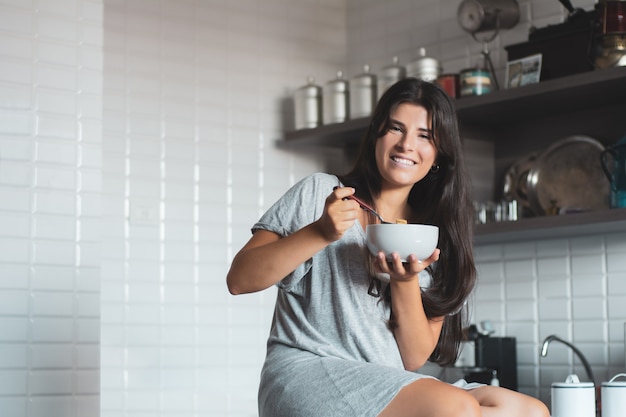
[(402, 161)]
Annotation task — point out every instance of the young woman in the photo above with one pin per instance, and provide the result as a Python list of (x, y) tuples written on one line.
[(350, 330)]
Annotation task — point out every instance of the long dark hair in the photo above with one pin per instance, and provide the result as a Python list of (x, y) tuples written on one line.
[(441, 198)]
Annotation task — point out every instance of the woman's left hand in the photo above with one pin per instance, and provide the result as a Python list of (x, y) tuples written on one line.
[(404, 271)]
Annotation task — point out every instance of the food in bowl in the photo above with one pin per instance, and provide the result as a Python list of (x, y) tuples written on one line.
[(405, 239)]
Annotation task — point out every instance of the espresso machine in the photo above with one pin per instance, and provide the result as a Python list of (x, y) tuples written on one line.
[(488, 360)]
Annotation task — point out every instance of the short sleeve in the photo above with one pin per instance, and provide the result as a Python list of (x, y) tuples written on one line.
[(300, 206)]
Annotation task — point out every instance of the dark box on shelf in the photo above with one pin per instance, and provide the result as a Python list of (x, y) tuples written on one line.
[(566, 48)]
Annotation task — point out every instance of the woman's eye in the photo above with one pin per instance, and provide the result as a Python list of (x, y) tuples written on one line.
[(395, 129)]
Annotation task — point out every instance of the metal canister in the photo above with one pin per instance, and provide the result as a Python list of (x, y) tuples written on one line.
[(475, 82), (424, 68), (362, 94), (308, 105), (336, 102), (390, 75)]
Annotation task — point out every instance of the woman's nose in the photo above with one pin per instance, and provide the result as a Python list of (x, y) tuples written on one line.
[(407, 143)]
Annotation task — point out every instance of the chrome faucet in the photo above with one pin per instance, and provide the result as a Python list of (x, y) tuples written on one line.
[(544, 352)]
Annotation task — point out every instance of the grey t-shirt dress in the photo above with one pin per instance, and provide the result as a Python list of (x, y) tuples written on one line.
[(330, 352)]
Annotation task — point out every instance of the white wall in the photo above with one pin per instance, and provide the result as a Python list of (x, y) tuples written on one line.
[(182, 102), (50, 183), (574, 288), (193, 104)]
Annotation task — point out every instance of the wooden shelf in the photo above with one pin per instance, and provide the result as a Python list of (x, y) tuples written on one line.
[(569, 94), (594, 89), (334, 135), (575, 224)]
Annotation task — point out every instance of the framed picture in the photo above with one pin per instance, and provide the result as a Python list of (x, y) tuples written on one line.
[(523, 71)]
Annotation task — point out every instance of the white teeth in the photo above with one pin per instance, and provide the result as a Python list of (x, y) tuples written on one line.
[(402, 161)]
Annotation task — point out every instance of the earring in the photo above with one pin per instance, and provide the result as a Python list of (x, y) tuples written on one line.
[(434, 169)]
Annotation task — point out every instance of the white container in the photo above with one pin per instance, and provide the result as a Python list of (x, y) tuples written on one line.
[(573, 398), (336, 100), (308, 105), (390, 75), (425, 68), (362, 94), (613, 394)]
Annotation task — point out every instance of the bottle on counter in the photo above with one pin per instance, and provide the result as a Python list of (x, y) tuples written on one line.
[(495, 382)]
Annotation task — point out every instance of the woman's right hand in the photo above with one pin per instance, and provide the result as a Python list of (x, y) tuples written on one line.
[(339, 215), (268, 257)]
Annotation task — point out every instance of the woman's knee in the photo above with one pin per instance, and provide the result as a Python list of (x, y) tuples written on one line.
[(461, 404), (430, 397), (537, 408), (510, 403)]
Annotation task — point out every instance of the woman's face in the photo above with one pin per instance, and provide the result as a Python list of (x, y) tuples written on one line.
[(405, 154)]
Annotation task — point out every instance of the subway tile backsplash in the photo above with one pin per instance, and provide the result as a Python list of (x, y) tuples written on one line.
[(137, 147), (50, 152), (561, 290)]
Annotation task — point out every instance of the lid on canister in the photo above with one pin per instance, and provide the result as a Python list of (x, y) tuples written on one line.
[(475, 71), (310, 89), (572, 385), (338, 85), (572, 381), (393, 71), (612, 383), (365, 79)]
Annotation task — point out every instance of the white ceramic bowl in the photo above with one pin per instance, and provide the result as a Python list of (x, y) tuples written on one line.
[(405, 239)]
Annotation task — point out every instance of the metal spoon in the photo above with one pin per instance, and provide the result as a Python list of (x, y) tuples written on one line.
[(367, 208), (364, 206)]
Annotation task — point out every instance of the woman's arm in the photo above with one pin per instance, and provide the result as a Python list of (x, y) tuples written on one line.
[(416, 335), (267, 257)]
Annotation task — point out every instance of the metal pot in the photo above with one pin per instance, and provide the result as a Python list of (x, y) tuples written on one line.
[(390, 75), (308, 105), (425, 68), (336, 100), (476, 16), (362, 94)]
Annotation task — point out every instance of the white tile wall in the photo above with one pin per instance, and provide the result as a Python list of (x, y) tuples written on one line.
[(112, 272), (193, 103), (50, 169), (559, 286)]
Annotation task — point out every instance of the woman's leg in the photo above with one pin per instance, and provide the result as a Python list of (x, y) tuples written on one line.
[(502, 402), (432, 398)]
